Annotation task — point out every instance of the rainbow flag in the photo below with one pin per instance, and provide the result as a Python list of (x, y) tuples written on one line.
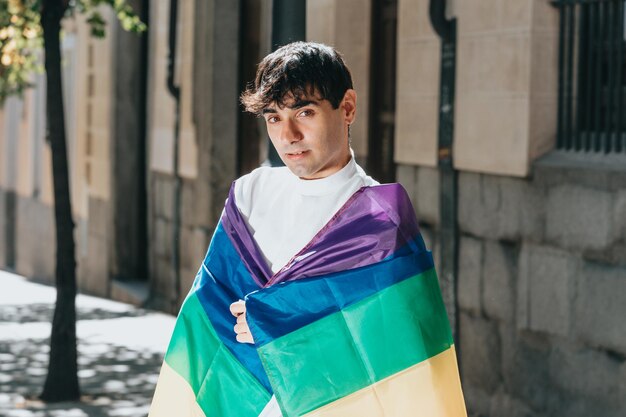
[(353, 325)]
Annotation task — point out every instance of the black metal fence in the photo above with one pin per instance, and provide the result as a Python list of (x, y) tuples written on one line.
[(592, 76)]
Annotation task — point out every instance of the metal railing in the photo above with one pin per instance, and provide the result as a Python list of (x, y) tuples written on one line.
[(592, 76)]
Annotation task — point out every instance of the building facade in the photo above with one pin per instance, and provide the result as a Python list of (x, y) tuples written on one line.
[(541, 284)]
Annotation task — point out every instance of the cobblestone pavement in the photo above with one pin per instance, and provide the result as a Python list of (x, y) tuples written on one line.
[(120, 351)]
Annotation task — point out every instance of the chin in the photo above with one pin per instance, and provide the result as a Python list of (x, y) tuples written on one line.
[(301, 172)]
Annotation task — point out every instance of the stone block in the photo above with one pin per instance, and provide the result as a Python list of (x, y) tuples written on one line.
[(416, 130), (587, 381), (477, 401), (477, 16), (427, 195), (470, 274), (193, 247), (163, 195), (208, 204), (500, 208), (96, 281), (599, 172), (187, 277), (82, 251), (188, 197), (532, 211), (478, 55), (100, 218), (320, 25), (622, 385), (418, 66), (162, 238), (525, 360), (614, 255), (545, 16), (161, 280), (352, 22), (515, 14), (413, 21), (619, 217), (545, 290), (405, 175), (470, 209), (544, 69), (35, 239), (543, 114), (499, 276), (100, 179), (480, 353), (492, 133), (601, 307), (3, 230), (579, 217), (502, 404)]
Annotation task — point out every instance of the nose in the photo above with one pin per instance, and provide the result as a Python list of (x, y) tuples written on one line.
[(290, 132)]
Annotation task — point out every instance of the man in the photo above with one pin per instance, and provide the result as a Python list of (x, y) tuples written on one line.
[(342, 313), (305, 94)]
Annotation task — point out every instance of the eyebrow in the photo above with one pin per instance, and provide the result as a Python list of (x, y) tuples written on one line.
[(297, 105)]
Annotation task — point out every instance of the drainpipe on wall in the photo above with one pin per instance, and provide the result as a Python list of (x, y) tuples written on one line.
[(174, 90), (448, 176), (288, 25)]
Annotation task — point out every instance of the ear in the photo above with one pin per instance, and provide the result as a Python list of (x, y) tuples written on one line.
[(348, 105)]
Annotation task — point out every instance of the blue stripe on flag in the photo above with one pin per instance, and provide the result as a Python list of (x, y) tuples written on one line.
[(222, 268), (278, 310)]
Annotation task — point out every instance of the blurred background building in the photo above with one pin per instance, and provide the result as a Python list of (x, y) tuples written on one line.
[(539, 156)]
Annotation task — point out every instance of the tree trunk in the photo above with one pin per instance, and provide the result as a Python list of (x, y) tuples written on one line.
[(62, 380)]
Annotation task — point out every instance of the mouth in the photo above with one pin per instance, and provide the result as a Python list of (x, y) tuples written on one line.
[(296, 155)]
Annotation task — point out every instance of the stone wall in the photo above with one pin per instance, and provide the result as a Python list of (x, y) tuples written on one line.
[(34, 239), (346, 25), (213, 108), (542, 285), (6, 237), (194, 238)]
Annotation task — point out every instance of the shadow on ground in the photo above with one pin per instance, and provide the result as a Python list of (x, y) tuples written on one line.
[(115, 380), (43, 312)]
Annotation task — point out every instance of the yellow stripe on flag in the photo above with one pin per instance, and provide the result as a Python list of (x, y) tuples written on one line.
[(173, 396), (431, 388)]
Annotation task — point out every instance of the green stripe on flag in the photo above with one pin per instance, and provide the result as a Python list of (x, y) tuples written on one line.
[(368, 341), (222, 385)]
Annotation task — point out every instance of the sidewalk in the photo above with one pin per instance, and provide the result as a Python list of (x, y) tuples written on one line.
[(120, 350)]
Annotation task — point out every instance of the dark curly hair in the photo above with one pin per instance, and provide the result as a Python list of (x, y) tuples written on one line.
[(297, 70)]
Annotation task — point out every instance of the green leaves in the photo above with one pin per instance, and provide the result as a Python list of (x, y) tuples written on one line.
[(21, 36), (20, 41), (124, 12), (127, 17)]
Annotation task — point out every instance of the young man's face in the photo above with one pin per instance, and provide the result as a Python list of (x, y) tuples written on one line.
[(310, 136)]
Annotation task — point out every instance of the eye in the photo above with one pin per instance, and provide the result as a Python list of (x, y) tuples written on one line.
[(305, 113), (272, 119)]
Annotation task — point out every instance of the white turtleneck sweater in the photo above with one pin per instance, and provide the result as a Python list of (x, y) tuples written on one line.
[(285, 212)]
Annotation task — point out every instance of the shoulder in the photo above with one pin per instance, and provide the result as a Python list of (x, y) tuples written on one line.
[(366, 180)]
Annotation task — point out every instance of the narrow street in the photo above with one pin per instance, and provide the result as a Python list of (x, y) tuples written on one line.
[(120, 347)]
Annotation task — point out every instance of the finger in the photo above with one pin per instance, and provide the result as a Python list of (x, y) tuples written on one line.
[(237, 308), (241, 328), (245, 338), (241, 318)]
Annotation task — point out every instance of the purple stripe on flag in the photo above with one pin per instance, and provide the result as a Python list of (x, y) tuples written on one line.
[(372, 225), (239, 234)]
